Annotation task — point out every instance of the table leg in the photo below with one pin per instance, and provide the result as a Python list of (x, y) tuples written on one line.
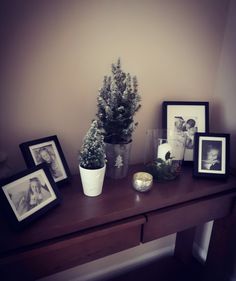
[(221, 255), (184, 245)]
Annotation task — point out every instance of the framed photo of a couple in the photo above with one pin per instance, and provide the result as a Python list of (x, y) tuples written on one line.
[(186, 118), (211, 155), (47, 150), (28, 195)]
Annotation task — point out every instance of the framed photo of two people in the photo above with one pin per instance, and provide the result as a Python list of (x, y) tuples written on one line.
[(185, 118), (47, 150), (211, 155)]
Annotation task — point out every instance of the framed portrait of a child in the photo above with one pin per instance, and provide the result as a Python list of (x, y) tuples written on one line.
[(28, 194), (47, 150), (211, 155), (185, 118)]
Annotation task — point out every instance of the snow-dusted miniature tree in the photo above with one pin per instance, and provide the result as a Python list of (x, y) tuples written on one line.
[(92, 153), (118, 101)]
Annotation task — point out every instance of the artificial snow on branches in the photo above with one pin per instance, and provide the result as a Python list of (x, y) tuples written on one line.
[(92, 153), (118, 101)]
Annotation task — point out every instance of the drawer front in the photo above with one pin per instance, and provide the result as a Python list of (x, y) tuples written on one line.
[(67, 253), (175, 219)]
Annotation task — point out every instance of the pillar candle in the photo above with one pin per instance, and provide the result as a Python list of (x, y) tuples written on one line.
[(162, 149)]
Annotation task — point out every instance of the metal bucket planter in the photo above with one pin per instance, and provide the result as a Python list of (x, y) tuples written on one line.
[(117, 160)]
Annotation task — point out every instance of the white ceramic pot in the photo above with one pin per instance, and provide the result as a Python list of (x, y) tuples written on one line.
[(92, 180)]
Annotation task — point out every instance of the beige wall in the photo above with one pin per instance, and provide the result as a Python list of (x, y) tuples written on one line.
[(225, 92), (55, 56), (224, 114)]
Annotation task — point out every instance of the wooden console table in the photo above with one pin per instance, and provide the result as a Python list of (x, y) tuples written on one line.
[(82, 229)]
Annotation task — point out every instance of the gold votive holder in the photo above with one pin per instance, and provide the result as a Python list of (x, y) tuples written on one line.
[(142, 181)]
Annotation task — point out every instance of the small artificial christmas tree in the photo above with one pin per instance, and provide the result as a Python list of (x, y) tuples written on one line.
[(118, 101), (92, 153)]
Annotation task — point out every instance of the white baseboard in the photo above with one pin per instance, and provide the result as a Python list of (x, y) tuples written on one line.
[(201, 243), (199, 253)]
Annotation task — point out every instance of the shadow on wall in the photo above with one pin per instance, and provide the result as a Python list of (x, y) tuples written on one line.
[(219, 124), (217, 118)]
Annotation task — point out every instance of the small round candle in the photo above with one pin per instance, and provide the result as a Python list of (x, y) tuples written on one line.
[(142, 181)]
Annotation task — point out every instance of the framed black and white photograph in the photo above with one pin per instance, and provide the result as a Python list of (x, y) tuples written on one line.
[(186, 118), (28, 195), (47, 150), (211, 156)]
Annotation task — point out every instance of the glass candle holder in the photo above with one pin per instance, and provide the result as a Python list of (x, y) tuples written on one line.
[(164, 153), (142, 181)]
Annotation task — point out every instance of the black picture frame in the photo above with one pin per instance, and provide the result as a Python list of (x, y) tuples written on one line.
[(49, 151), (194, 114), (28, 195), (212, 155)]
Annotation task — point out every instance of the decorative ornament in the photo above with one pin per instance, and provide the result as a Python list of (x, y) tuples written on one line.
[(119, 162)]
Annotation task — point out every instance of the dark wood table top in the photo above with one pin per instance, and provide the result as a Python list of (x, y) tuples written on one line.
[(118, 201)]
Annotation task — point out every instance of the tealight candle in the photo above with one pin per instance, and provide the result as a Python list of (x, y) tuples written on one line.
[(142, 181)]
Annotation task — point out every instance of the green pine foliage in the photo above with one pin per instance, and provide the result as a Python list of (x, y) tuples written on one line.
[(118, 101), (92, 153), (164, 170)]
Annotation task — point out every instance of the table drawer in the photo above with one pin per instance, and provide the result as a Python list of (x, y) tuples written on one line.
[(181, 217), (57, 256)]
